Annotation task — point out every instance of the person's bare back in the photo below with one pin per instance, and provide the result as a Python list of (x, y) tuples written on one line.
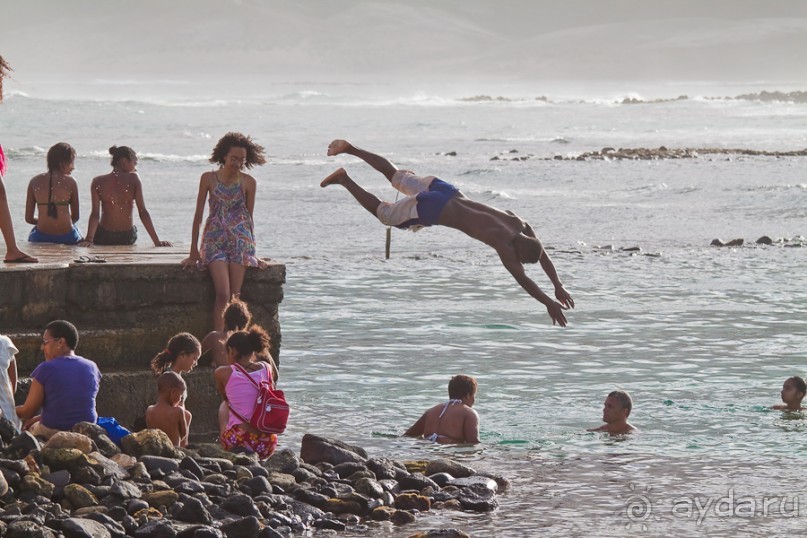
[(453, 421), (168, 418), (116, 193), (459, 424)]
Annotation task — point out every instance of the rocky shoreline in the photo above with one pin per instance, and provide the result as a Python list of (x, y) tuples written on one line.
[(80, 484), (644, 154)]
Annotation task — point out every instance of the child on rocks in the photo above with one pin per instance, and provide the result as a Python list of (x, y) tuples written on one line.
[(793, 392), (179, 356), (168, 414), (240, 394)]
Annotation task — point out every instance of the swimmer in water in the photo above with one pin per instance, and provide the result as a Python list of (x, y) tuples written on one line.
[(793, 392), (615, 413), (453, 421)]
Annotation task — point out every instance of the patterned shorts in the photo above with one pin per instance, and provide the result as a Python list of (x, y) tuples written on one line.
[(262, 444)]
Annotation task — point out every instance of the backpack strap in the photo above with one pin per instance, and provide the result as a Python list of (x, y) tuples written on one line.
[(267, 367), (236, 413), (257, 386)]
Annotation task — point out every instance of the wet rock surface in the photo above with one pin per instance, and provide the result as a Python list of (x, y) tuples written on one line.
[(69, 488)]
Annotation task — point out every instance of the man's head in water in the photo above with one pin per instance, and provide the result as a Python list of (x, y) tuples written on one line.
[(462, 387), (528, 249), (617, 407)]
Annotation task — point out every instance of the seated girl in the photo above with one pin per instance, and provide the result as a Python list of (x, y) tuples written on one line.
[(55, 195), (240, 394)]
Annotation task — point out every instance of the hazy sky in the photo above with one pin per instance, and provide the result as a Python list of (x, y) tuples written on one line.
[(389, 40)]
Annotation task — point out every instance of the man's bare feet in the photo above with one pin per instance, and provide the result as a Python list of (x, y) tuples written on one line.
[(335, 178), (338, 146)]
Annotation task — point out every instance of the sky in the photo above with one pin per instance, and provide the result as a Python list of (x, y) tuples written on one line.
[(354, 41)]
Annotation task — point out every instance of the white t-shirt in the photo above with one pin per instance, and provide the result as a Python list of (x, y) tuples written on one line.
[(7, 352)]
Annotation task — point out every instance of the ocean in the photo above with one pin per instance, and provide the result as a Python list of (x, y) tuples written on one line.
[(702, 337)]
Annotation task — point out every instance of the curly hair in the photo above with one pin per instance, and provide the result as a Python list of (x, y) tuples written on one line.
[(237, 140), (4, 69), (256, 340), (236, 315)]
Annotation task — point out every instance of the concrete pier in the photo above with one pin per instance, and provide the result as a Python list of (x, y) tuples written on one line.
[(126, 307)]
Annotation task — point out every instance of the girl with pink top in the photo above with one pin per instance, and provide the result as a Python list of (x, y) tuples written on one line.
[(240, 394)]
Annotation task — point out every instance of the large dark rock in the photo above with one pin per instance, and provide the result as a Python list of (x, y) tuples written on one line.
[(384, 468), (7, 430), (28, 529), (248, 527), (477, 498), (22, 445), (84, 528), (193, 511), (241, 505), (282, 461), (316, 449), (156, 529)]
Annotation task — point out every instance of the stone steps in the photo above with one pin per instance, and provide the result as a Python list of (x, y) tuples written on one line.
[(125, 310)]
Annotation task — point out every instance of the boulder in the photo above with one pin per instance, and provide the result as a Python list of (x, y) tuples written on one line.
[(79, 496), (150, 442), (70, 440), (413, 501), (316, 449), (445, 465), (99, 436), (37, 485), (282, 461)]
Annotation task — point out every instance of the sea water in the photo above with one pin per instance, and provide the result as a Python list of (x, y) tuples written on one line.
[(702, 337)]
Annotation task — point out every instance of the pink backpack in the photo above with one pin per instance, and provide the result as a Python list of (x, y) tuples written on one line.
[(271, 413)]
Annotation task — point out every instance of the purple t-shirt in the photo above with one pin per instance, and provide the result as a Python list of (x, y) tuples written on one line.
[(71, 385)]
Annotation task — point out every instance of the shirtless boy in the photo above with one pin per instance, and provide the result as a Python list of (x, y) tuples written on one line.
[(615, 413), (792, 394), (453, 421), (430, 201), (114, 196), (168, 414)]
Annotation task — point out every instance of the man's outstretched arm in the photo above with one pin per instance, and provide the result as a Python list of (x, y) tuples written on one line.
[(516, 268), (563, 296)]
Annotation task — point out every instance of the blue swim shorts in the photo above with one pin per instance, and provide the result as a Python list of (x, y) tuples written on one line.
[(70, 238)]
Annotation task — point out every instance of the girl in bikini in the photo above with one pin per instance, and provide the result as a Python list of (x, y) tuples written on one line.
[(228, 240), (54, 195)]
